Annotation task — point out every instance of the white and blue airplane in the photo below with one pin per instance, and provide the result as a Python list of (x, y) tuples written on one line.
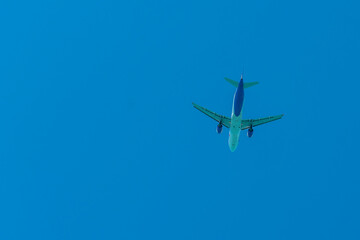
[(236, 123)]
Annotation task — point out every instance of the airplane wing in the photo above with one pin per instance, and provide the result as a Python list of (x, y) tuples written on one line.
[(245, 124), (217, 117)]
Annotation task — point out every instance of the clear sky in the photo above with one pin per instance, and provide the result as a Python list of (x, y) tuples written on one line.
[(99, 140)]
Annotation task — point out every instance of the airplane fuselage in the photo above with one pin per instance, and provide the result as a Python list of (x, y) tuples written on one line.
[(236, 116)]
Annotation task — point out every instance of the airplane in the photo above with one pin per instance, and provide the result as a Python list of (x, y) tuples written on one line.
[(236, 123)]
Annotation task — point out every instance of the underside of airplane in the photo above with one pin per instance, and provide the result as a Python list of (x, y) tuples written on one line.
[(236, 123)]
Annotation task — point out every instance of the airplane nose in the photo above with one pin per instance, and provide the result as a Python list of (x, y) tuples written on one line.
[(232, 147)]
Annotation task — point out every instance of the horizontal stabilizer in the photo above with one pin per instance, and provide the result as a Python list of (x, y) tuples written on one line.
[(232, 82), (250, 84), (236, 84)]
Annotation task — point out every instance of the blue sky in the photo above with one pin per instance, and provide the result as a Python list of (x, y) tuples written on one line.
[(99, 139)]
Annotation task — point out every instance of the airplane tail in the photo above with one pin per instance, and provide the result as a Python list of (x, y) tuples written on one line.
[(250, 84), (236, 84)]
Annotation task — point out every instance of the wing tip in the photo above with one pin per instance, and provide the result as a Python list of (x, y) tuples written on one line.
[(196, 106)]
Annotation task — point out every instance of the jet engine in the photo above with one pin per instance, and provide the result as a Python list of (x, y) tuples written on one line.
[(219, 128), (250, 132)]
